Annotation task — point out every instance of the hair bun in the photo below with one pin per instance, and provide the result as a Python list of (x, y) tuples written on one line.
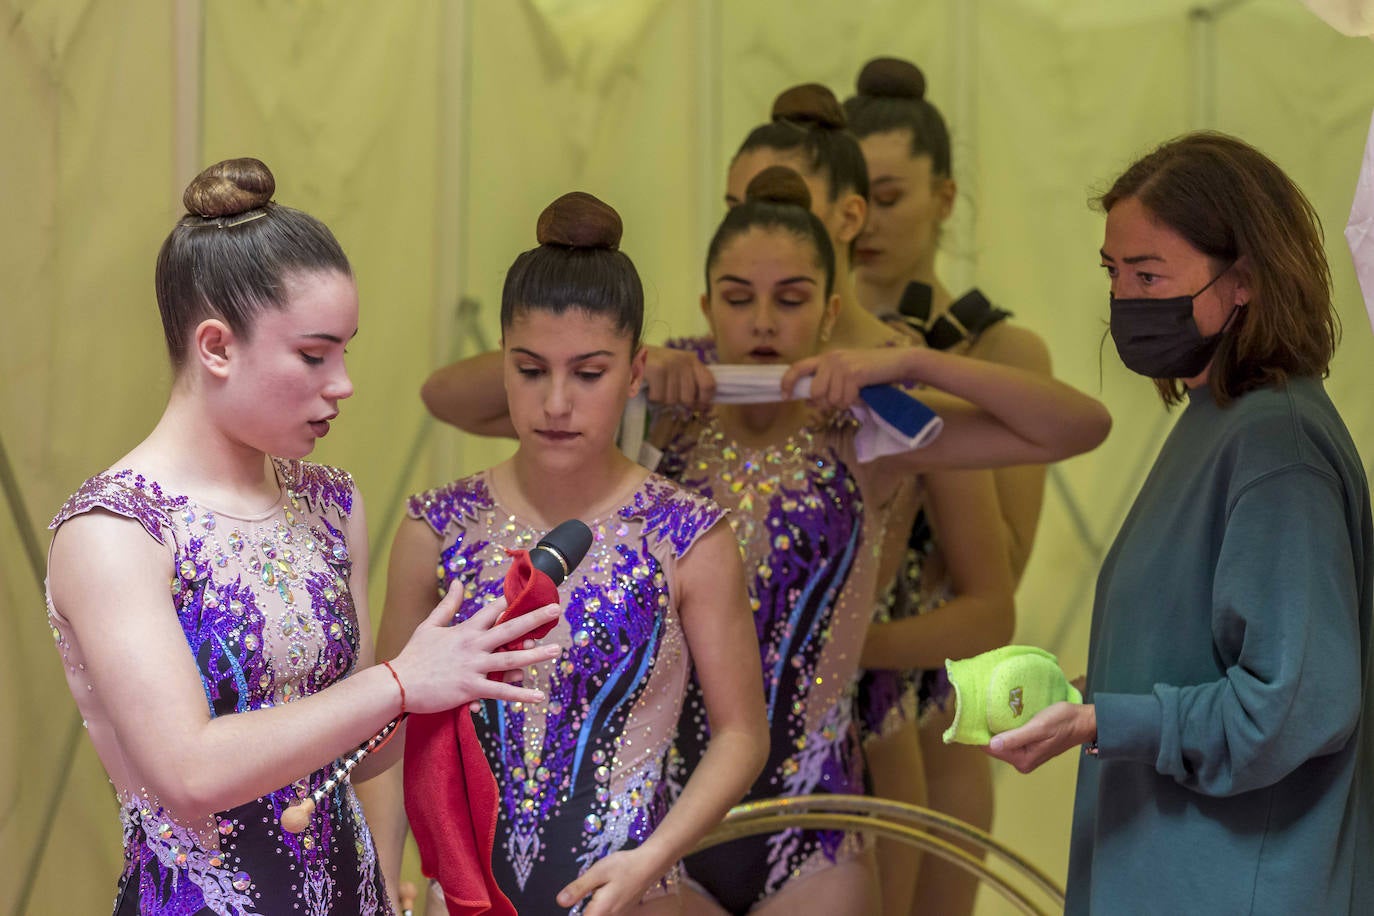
[(229, 188), (892, 78), (579, 220), (778, 184), (810, 103)]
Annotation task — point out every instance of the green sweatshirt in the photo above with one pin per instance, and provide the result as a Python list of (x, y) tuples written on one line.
[(1230, 665)]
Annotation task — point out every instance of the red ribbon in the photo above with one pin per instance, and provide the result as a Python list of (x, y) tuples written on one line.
[(450, 794)]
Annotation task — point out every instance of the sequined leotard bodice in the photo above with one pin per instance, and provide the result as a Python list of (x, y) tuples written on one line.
[(582, 776), (265, 606), (809, 525)]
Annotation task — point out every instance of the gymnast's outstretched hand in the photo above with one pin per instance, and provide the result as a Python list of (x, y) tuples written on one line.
[(1049, 733)]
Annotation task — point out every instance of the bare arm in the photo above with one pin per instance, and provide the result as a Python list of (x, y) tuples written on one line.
[(997, 415), (981, 616), (109, 580), (1020, 496), (719, 627), (1020, 489), (471, 395)]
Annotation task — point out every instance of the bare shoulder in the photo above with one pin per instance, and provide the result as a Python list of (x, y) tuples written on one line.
[(875, 332), (101, 553), (862, 330), (1013, 345), (99, 531), (714, 565), (415, 549), (415, 536)]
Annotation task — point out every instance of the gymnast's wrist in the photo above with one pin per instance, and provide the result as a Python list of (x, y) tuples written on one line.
[(384, 689), (400, 686), (657, 854), (913, 362)]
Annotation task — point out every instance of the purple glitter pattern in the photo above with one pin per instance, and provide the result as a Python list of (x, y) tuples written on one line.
[(799, 514), (582, 775), (667, 516), (123, 493), (322, 486), (449, 506), (265, 607)]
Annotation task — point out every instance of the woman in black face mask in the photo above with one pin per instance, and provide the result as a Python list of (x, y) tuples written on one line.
[(1229, 674)]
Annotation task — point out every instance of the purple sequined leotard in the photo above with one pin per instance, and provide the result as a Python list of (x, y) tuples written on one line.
[(265, 606), (809, 520), (582, 776)]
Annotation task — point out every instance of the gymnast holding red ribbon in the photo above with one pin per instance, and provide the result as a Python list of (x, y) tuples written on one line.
[(566, 804)]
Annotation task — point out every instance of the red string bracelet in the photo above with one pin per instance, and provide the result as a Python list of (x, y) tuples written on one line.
[(399, 685)]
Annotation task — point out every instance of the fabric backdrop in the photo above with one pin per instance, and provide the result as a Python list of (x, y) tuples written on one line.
[(429, 135)]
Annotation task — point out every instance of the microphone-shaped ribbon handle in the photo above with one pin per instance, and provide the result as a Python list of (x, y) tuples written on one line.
[(534, 575)]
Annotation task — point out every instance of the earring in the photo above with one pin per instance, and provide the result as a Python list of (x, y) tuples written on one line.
[(825, 335)]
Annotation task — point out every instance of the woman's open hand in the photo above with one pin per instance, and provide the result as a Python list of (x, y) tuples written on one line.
[(1050, 732)]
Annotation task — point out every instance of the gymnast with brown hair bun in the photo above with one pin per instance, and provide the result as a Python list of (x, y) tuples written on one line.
[(218, 701), (952, 562), (808, 506), (906, 149), (807, 133), (585, 819)]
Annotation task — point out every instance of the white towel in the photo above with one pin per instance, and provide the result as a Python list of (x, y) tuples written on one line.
[(890, 420)]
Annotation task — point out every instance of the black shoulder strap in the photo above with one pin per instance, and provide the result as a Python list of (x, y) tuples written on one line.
[(968, 317)]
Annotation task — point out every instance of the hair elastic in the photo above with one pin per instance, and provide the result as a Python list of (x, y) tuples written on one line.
[(395, 677), (229, 222)]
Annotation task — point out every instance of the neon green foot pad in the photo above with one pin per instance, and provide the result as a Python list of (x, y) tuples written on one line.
[(1001, 689)]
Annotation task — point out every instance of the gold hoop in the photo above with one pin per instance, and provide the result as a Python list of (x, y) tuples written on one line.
[(906, 823)]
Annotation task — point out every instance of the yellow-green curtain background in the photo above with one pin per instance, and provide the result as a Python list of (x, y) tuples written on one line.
[(429, 134)]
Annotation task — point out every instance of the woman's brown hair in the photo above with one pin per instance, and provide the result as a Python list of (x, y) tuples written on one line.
[(1232, 203)]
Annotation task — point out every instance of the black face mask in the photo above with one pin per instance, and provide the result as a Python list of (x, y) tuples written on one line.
[(1158, 338)]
